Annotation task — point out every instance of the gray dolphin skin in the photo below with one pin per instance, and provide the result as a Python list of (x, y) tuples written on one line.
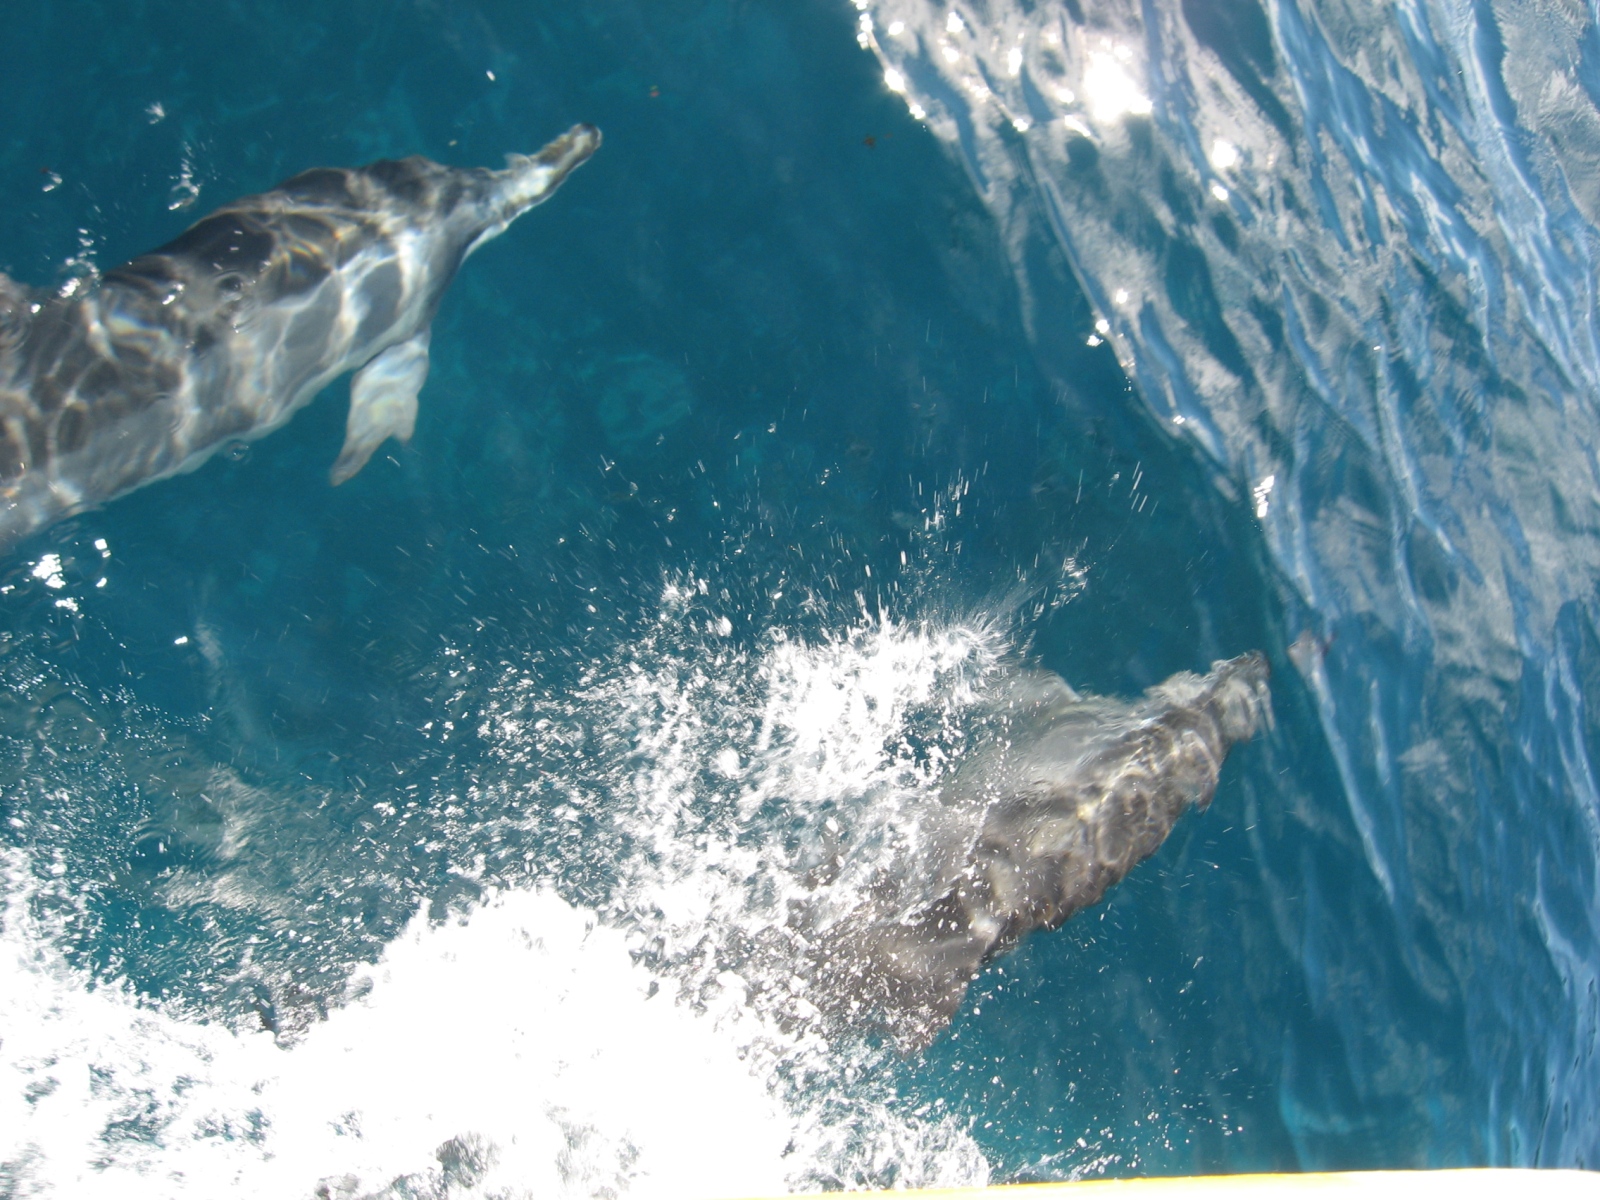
[(1065, 796), (222, 334)]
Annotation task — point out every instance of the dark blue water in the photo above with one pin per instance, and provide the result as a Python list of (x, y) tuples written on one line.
[(771, 419)]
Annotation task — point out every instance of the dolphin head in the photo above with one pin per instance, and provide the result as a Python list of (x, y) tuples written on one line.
[(415, 219), (528, 180), (442, 214)]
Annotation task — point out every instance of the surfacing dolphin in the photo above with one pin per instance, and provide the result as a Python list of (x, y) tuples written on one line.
[(1065, 795), (222, 334)]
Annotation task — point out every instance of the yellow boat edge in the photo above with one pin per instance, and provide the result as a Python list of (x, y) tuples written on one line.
[(1464, 1183)]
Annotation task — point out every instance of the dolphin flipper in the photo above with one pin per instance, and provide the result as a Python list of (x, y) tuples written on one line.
[(383, 403)]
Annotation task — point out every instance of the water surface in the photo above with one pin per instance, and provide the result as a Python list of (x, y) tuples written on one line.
[(344, 826)]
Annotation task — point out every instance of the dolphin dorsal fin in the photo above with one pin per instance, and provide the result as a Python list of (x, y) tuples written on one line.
[(383, 403)]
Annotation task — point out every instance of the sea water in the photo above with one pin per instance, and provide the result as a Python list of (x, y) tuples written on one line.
[(400, 838)]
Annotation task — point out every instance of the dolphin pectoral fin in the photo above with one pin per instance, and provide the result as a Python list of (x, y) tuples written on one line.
[(383, 403)]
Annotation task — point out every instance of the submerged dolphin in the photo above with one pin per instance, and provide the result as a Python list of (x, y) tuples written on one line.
[(225, 332), (1066, 796)]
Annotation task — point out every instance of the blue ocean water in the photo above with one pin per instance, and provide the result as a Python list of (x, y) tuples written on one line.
[(879, 342)]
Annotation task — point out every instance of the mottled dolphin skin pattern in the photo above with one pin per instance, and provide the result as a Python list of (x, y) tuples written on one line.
[(1066, 796), (223, 333)]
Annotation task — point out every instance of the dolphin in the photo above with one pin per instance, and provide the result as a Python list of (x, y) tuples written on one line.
[(222, 334), (1063, 797)]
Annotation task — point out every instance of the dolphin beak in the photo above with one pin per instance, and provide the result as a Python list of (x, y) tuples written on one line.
[(529, 180), (560, 158), (571, 149)]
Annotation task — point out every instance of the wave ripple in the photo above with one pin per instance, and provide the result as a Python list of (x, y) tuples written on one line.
[(1348, 253)]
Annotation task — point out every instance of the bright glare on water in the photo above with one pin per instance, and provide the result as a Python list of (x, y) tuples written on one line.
[(472, 828)]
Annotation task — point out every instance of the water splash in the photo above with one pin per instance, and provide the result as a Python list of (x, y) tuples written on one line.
[(519, 1051)]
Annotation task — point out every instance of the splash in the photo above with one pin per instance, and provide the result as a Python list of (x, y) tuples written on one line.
[(628, 1000), (832, 837), (525, 1044), (518, 1051)]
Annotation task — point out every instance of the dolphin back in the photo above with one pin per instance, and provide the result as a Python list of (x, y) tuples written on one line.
[(281, 244), (1072, 793), (228, 329)]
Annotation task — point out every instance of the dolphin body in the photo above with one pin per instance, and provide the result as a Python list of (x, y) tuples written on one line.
[(224, 333), (1063, 797)]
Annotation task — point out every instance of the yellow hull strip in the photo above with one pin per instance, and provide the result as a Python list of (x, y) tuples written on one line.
[(1479, 1183)]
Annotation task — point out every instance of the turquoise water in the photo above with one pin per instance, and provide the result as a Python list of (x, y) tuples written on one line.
[(789, 408)]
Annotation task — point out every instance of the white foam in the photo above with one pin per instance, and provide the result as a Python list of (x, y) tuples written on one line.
[(523, 1041), (522, 1050)]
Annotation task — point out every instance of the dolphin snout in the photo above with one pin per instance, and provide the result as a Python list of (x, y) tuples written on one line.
[(571, 149), (530, 179)]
